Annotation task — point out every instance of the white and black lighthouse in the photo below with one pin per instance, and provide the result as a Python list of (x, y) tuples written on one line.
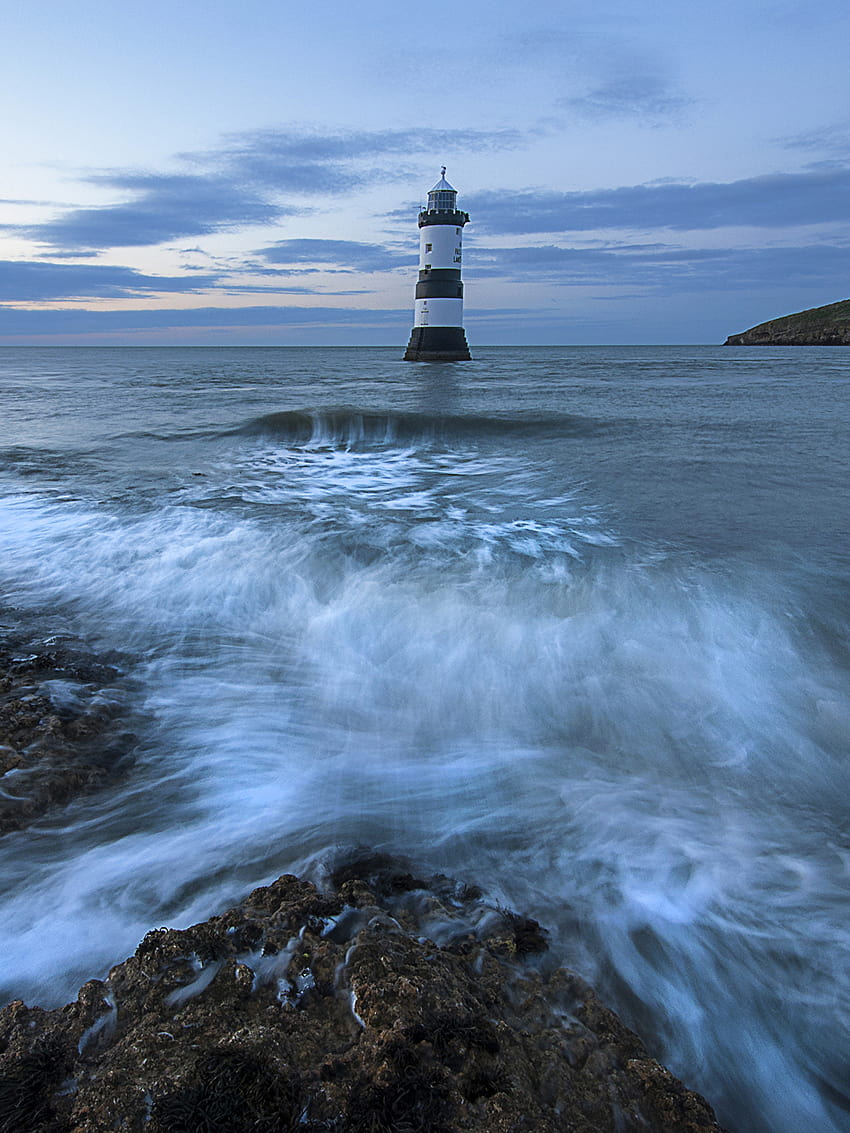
[(438, 334)]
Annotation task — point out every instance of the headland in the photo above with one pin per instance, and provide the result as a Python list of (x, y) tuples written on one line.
[(818, 326)]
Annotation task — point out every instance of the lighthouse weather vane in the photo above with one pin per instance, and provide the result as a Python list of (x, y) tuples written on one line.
[(438, 334)]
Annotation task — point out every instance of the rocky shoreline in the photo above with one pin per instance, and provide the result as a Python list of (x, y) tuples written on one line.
[(387, 1003)]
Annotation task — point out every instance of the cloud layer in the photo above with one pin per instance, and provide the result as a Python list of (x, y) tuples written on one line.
[(664, 269), (161, 208), (79, 322), (338, 255), (647, 97), (254, 178), (23, 281), (778, 200)]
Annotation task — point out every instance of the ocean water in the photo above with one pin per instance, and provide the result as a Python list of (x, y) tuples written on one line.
[(568, 623)]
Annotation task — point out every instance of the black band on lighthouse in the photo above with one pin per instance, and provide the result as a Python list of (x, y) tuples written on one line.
[(440, 289), (440, 273), (443, 216)]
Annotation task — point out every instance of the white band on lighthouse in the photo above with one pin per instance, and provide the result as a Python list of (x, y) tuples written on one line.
[(440, 246), (438, 313)]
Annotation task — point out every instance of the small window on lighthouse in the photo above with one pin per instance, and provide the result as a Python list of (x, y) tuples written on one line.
[(429, 247), (457, 232)]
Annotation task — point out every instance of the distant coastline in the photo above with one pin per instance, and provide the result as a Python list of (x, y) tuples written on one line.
[(819, 326)]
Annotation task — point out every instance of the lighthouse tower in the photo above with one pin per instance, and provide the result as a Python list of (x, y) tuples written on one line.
[(438, 334)]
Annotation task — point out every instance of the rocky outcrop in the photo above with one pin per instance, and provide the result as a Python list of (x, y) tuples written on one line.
[(819, 326), (59, 730), (388, 1004)]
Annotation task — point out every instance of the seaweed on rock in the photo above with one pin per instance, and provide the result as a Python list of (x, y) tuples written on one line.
[(231, 1091)]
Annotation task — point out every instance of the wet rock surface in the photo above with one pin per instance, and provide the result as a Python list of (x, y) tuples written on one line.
[(60, 734), (388, 1003)]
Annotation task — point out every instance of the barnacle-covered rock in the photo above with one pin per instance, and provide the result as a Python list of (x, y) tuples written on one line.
[(389, 1003)]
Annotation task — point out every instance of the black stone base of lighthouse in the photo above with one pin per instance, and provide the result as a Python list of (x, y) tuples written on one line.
[(437, 344)]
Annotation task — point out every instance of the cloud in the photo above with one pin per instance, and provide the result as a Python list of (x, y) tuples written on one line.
[(241, 183), (832, 141), (340, 255), (335, 161), (637, 96), (778, 200), (34, 281), (665, 269), (164, 207), (33, 202), (80, 321), (259, 289), (76, 254), (277, 289)]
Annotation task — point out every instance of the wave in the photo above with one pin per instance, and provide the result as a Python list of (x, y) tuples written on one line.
[(348, 426)]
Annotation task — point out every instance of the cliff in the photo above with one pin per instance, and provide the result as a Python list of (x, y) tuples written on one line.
[(819, 326)]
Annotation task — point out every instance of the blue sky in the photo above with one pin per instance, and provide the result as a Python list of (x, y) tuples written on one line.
[(214, 173)]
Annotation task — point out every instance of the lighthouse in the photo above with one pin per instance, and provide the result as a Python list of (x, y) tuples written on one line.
[(438, 334)]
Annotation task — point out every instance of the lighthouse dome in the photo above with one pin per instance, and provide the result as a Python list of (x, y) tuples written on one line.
[(443, 197)]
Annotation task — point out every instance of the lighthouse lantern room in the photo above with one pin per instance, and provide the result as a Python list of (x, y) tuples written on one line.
[(438, 334)]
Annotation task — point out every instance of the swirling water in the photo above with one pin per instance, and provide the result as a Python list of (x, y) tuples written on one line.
[(568, 623)]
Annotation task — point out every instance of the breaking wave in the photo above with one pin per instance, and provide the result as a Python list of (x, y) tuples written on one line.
[(348, 427)]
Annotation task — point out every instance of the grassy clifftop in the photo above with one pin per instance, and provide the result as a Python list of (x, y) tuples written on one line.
[(819, 326)]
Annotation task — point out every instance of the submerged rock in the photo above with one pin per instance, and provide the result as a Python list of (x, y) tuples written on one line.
[(388, 1004), (59, 735)]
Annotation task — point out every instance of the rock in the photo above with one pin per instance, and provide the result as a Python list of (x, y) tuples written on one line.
[(389, 1004), (59, 735), (819, 326)]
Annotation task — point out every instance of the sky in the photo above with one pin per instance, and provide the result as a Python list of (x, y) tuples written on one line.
[(214, 173)]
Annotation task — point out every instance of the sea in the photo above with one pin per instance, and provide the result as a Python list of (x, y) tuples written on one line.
[(571, 624)]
